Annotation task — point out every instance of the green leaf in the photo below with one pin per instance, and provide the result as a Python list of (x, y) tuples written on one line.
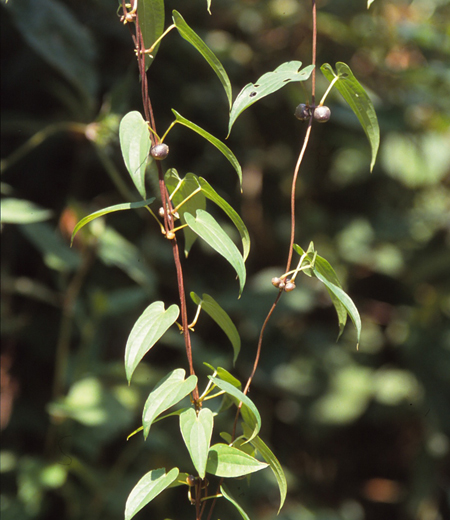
[(267, 84), (224, 375), (197, 431), (212, 195), (149, 486), (169, 391), (343, 304), (249, 411), (110, 209), (151, 21), (148, 329), (20, 211), (213, 140), (226, 494), (211, 307), (210, 231), (189, 35), (135, 145), (359, 102), (185, 187), (229, 462), (273, 462)]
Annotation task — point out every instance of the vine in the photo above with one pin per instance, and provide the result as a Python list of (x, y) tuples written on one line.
[(183, 211)]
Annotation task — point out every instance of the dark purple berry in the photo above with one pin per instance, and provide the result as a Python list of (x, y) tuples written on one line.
[(302, 112), (322, 114)]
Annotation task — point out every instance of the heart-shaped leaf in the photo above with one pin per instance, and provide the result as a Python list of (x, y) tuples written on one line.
[(197, 431), (148, 329), (168, 392), (149, 486), (229, 462)]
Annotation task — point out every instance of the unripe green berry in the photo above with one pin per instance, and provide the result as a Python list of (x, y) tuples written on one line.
[(159, 151), (322, 114), (302, 112)]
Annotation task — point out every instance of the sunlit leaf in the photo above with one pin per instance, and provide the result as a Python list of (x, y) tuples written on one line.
[(229, 462), (197, 431), (20, 211), (135, 145), (213, 140), (149, 486), (341, 301), (267, 84), (211, 307), (249, 411), (151, 21), (226, 494), (211, 232), (110, 209), (358, 100), (211, 194), (273, 462), (185, 189), (147, 330), (189, 35), (168, 392)]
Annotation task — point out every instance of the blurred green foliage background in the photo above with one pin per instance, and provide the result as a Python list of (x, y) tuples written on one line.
[(362, 435)]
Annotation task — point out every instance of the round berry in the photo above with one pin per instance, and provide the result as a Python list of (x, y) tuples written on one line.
[(159, 151), (290, 286), (322, 114), (302, 112), (276, 281)]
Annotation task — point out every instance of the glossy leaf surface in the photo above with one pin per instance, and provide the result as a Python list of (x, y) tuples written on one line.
[(197, 431), (110, 209), (148, 329), (207, 228), (358, 100), (148, 487), (151, 21), (168, 392), (229, 462), (213, 309), (194, 39), (249, 411), (135, 145), (213, 140), (267, 84)]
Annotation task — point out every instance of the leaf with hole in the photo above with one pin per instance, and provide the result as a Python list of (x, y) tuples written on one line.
[(267, 84), (168, 392), (194, 39), (211, 232), (249, 411), (213, 309), (213, 140), (148, 329), (149, 486), (151, 21), (226, 461), (110, 209), (135, 145), (196, 431), (358, 100)]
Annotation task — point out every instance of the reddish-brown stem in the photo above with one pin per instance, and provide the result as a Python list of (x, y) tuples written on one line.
[(166, 202)]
